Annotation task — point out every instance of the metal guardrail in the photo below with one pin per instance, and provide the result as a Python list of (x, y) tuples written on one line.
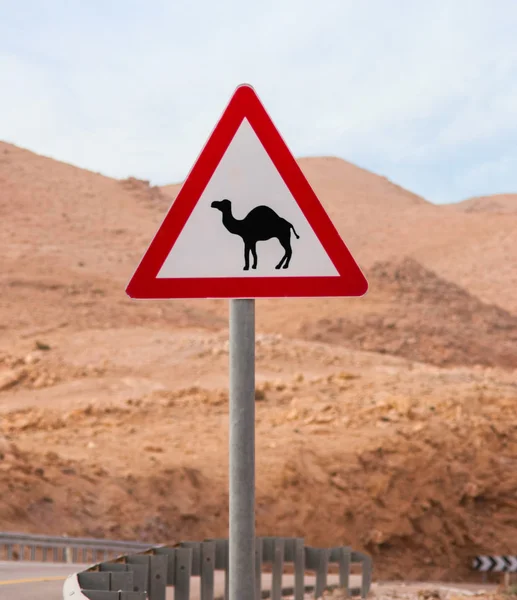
[(146, 575), (24, 546)]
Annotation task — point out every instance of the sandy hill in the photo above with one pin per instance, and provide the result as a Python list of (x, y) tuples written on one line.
[(358, 400), (66, 216), (74, 218), (498, 203), (75, 237)]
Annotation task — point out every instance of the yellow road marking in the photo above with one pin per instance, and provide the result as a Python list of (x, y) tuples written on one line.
[(36, 580)]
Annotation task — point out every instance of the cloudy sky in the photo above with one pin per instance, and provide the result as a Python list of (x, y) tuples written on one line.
[(423, 92)]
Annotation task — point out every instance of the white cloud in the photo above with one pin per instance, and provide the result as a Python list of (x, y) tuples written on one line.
[(135, 88)]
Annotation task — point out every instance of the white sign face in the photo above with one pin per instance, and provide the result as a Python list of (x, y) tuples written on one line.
[(254, 215), (246, 223)]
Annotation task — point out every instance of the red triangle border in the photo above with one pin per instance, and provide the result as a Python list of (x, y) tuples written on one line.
[(145, 285)]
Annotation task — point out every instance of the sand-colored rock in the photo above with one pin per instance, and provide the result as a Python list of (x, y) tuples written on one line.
[(11, 377)]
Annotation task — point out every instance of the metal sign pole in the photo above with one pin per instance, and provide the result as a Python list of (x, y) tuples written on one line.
[(242, 450)]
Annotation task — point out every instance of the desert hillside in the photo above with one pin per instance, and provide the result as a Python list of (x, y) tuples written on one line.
[(498, 203), (101, 226), (388, 416), (403, 459)]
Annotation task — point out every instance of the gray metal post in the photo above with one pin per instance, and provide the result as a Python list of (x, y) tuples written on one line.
[(242, 450)]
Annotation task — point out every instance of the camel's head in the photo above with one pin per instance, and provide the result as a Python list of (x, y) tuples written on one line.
[(222, 205)]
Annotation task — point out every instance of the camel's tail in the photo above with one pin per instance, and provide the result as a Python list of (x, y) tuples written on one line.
[(294, 231)]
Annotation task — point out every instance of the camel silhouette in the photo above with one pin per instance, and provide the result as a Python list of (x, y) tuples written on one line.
[(261, 223)]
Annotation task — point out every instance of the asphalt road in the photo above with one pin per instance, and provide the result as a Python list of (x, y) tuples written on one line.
[(33, 580)]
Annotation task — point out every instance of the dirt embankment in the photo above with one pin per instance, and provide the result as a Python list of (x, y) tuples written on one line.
[(421, 482), (418, 315)]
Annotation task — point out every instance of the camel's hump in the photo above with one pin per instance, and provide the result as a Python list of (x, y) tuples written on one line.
[(260, 212)]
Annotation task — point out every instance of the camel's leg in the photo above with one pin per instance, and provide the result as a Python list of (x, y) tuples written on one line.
[(288, 254), (254, 254), (284, 262), (279, 265), (286, 245), (246, 257)]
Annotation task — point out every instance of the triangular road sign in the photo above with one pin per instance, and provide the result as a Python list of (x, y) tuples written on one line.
[(246, 223)]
